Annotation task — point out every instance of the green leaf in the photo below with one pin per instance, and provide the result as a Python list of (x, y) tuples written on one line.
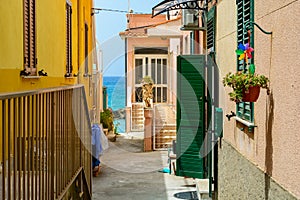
[(252, 69)]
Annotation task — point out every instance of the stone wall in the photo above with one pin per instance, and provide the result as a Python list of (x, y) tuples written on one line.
[(240, 179)]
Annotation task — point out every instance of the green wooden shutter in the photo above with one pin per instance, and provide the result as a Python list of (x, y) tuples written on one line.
[(245, 13), (190, 115), (211, 29)]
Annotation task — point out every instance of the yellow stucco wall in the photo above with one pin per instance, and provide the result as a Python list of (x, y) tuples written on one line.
[(51, 36), (276, 116), (11, 34), (50, 47), (50, 43)]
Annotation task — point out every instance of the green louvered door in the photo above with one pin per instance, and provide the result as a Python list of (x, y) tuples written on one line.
[(190, 115)]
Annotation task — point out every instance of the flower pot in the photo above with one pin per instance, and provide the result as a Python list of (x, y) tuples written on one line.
[(252, 94)]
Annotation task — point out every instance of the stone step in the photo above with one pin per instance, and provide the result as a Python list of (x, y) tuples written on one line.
[(202, 186)]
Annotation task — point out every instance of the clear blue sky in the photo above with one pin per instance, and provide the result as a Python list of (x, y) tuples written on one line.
[(108, 26)]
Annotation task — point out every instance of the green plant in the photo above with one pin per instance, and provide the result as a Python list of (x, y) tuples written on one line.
[(241, 82), (107, 119)]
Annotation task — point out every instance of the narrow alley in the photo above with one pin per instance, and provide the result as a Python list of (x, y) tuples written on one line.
[(128, 173), (149, 100)]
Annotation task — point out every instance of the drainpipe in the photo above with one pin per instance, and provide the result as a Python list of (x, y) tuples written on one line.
[(196, 42)]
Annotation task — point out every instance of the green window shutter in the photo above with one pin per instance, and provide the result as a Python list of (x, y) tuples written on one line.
[(211, 29), (190, 115), (245, 13)]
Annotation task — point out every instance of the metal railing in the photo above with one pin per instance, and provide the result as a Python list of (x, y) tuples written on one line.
[(45, 144)]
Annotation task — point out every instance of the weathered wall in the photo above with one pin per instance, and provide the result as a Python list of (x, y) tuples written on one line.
[(273, 147), (241, 179)]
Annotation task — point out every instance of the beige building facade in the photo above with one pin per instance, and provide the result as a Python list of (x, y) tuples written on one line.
[(262, 163)]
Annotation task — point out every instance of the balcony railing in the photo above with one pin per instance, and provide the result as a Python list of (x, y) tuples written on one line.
[(45, 144)]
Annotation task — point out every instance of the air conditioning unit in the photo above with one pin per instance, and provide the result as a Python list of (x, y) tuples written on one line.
[(190, 18)]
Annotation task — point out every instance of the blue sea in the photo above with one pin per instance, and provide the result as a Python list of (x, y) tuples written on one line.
[(116, 97)]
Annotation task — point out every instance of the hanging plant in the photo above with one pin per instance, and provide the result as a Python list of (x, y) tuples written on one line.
[(246, 86), (243, 84)]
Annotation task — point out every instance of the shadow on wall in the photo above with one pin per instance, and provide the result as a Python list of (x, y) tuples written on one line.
[(269, 144)]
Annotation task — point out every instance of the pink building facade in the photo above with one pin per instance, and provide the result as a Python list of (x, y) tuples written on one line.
[(152, 47)]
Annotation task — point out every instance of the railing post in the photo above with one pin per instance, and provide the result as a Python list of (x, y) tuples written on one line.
[(52, 144), (39, 131), (3, 149), (128, 120)]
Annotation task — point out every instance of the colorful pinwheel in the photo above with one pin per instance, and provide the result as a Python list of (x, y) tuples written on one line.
[(244, 51)]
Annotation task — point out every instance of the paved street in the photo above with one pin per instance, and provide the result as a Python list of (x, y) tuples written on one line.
[(129, 173)]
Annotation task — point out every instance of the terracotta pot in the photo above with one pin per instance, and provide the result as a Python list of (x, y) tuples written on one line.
[(252, 94)]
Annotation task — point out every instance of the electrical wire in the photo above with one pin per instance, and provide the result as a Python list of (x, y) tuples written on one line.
[(96, 11)]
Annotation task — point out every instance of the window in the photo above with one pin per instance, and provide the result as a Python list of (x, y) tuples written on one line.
[(156, 67), (245, 13), (30, 59), (69, 66)]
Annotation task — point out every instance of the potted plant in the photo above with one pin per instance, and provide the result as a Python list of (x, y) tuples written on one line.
[(147, 91), (246, 86), (107, 119)]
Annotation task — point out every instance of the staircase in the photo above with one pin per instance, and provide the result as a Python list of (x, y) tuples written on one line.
[(164, 126), (137, 117)]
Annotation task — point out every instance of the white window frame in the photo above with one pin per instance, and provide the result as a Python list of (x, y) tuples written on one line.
[(161, 84)]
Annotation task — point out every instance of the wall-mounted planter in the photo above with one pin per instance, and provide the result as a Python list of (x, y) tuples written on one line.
[(252, 94), (240, 82)]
